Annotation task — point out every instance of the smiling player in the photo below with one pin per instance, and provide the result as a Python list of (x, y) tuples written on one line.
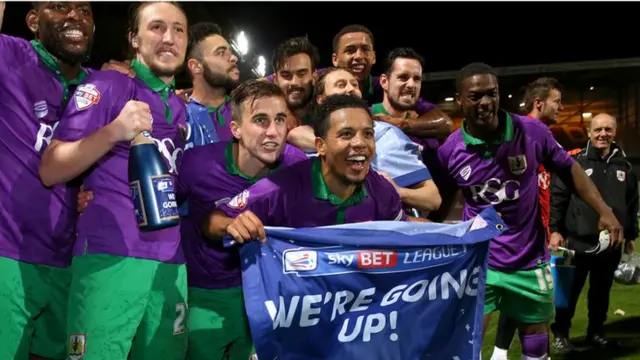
[(211, 175), (337, 187), (494, 159), (129, 288), (37, 228)]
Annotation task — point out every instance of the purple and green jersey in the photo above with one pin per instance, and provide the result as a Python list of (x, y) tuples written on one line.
[(38, 223), (209, 176), (108, 224), (299, 197), (504, 174)]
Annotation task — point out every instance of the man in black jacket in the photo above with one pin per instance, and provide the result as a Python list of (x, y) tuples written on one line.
[(606, 164)]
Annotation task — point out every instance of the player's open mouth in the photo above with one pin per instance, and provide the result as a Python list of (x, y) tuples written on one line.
[(74, 35), (356, 162), (296, 93), (407, 96), (270, 146), (358, 68)]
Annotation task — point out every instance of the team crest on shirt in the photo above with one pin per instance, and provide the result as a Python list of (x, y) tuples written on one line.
[(239, 201), (518, 164), (621, 175), (86, 96), (465, 172), (77, 346), (588, 172)]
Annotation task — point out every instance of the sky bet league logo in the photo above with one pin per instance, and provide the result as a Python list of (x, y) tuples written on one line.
[(337, 260)]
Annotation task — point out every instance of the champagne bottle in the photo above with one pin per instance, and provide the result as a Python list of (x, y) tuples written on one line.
[(152, 189)]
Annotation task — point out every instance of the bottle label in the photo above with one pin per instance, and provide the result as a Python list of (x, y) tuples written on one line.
[(166, 205)]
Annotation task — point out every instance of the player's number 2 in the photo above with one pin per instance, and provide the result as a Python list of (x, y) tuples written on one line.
[(545, 279), (178, 323)]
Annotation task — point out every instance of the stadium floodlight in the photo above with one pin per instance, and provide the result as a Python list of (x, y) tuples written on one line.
[(261, 68), (242, 43)]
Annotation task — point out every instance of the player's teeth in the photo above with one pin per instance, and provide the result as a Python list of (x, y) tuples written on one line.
[(356, 158)]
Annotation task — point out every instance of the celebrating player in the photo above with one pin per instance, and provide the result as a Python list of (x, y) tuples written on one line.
[(543, 101), (336, 187), (211, 175), (37, 229), (128, 293), (353, 49), (494, 159)]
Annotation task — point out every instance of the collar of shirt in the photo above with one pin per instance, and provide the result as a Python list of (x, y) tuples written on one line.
[(505, 134), (321, 191), (232, 166), (379, 109), (155, 84)]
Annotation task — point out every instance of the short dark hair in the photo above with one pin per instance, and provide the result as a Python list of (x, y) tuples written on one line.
[(472, 70), (133, 23), (322, 80), (251, 90), (349, 29), (539, 88), (294, 46), (401, 52), (333, 103), (198, 33)]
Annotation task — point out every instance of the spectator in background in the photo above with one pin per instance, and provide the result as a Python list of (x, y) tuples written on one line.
[(606, 164)]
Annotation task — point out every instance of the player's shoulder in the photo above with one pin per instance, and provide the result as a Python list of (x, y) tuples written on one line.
[(12, 44), (453, 141), (106, 79), (377, 184), (386, 130), (16, 53), (292, 155), (293, 173), (529, 124)]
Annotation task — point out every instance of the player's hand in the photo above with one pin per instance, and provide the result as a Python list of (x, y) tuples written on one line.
[(609, 222), (84, 196), (630, 247), (555, 240), (134, 118), (123, 67), (184, 94), (246, 227)]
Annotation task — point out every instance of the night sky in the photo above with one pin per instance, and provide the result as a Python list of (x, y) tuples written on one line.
[(448, 35)]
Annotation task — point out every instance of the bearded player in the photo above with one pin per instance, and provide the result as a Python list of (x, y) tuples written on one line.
[(37, 231), (211, 175), (128, 291), (214, 73), (543, 101), (494, 158)]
